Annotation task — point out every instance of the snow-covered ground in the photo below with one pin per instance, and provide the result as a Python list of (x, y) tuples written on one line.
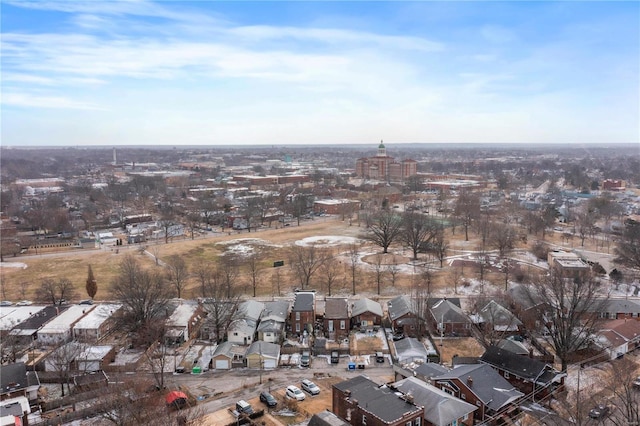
[(13, 265), (326, 241)]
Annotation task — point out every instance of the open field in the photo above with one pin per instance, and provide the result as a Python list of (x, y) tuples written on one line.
[(269, 245)]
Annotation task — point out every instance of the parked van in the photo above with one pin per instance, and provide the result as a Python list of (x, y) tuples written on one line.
[(243, 407)]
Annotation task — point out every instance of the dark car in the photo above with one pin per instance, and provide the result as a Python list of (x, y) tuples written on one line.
[(268, 399), (599, 411)]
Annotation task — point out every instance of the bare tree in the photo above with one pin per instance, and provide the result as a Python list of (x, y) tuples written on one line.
[(393, 271), (379, 272), (144, 294), (567, 308), (228, 271), (417, 231), (467, 209), (154, 335), (385, 229), (502, 238), (456, 275), (61, 361), (440, 246), (253, 267), (584, 225), (354, 257), (56, 292), (628, 249), (305, 262), (220, 307), (626, 399), (177, 274), (331, 274), (203, 271)]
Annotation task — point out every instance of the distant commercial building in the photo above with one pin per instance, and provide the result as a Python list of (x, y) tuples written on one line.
[(384, 167)]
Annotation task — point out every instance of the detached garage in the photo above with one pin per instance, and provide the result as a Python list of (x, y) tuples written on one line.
[(227, 355), (263, 355)]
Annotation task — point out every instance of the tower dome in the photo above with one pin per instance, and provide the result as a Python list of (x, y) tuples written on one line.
[(382, 151)]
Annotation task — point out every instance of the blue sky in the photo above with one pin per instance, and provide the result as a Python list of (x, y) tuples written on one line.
[(230, 73)]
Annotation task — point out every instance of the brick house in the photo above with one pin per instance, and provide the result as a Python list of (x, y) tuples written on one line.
[(336, 318), (529, 375), (303, 312), (449, 318), (403, 317), (366, 313), (362, 402), (482, 386)]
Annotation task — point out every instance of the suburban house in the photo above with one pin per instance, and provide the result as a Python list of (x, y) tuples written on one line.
[(404, 319), (362, 402), (440, 408), (618, 337), (494, 317), (75, 356), (26, 331), (16, 382), (15, 411), (228, 355), (263, 355), (620, 309), (14, 316), (482, 386), (183, 323), (96, 324), (272, 321), (449, 319), (530, 376), (336, 319), (366, 313), (58, 330), (241, 332), (303, 312)]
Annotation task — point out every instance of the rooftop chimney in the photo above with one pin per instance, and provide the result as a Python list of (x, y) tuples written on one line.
[(470, 381)]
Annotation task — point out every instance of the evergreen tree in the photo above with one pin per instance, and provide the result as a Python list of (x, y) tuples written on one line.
[(92, 284)]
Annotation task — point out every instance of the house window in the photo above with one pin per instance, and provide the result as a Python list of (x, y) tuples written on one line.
[(478, 403), (418, 421), (364, 419), (463, 396), (465, 417), (407, 423), (342, 325), (297, 316), (297, 327), (506, 375), (235, 333)]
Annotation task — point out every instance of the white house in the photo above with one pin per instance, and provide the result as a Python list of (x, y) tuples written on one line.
[(96, 324), (58, 330), (182, 322)]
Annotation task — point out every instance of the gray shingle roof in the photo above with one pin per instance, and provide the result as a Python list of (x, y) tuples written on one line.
[(336, 309), (440, 408), (399, 306), (304, 302), (265, 348), (361, 306), (490, 387)]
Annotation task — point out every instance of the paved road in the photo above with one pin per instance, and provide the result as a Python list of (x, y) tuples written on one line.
[(247, 384)]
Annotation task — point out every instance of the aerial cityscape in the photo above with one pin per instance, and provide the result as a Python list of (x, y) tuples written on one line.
[(319, 213)]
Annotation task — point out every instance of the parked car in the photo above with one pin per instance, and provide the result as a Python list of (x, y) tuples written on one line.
[(244, 407), (268, 399), (379, 357), (335, 357), (24, 303), (309, 386), (599, 411), (86, 302), (294, 392), (305, 359), (6, 303)]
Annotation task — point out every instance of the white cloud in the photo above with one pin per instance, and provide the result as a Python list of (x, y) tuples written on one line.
[(35, 101)]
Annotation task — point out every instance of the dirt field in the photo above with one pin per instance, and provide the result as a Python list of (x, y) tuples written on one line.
[(304, 409), (461, 346), (269, 245)]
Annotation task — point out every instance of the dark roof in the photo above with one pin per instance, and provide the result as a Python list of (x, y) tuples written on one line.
[(447, 312), (432, 301), (486, 383), (399, 306), (304, 302), (37, 320), (14, 377), (518, 365), (430, 369), (326, 418), (336, 309), (380, 401)]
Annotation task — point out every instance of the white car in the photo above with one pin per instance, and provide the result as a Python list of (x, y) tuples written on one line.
[(309, 386), (24, 303), (294, 392)]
